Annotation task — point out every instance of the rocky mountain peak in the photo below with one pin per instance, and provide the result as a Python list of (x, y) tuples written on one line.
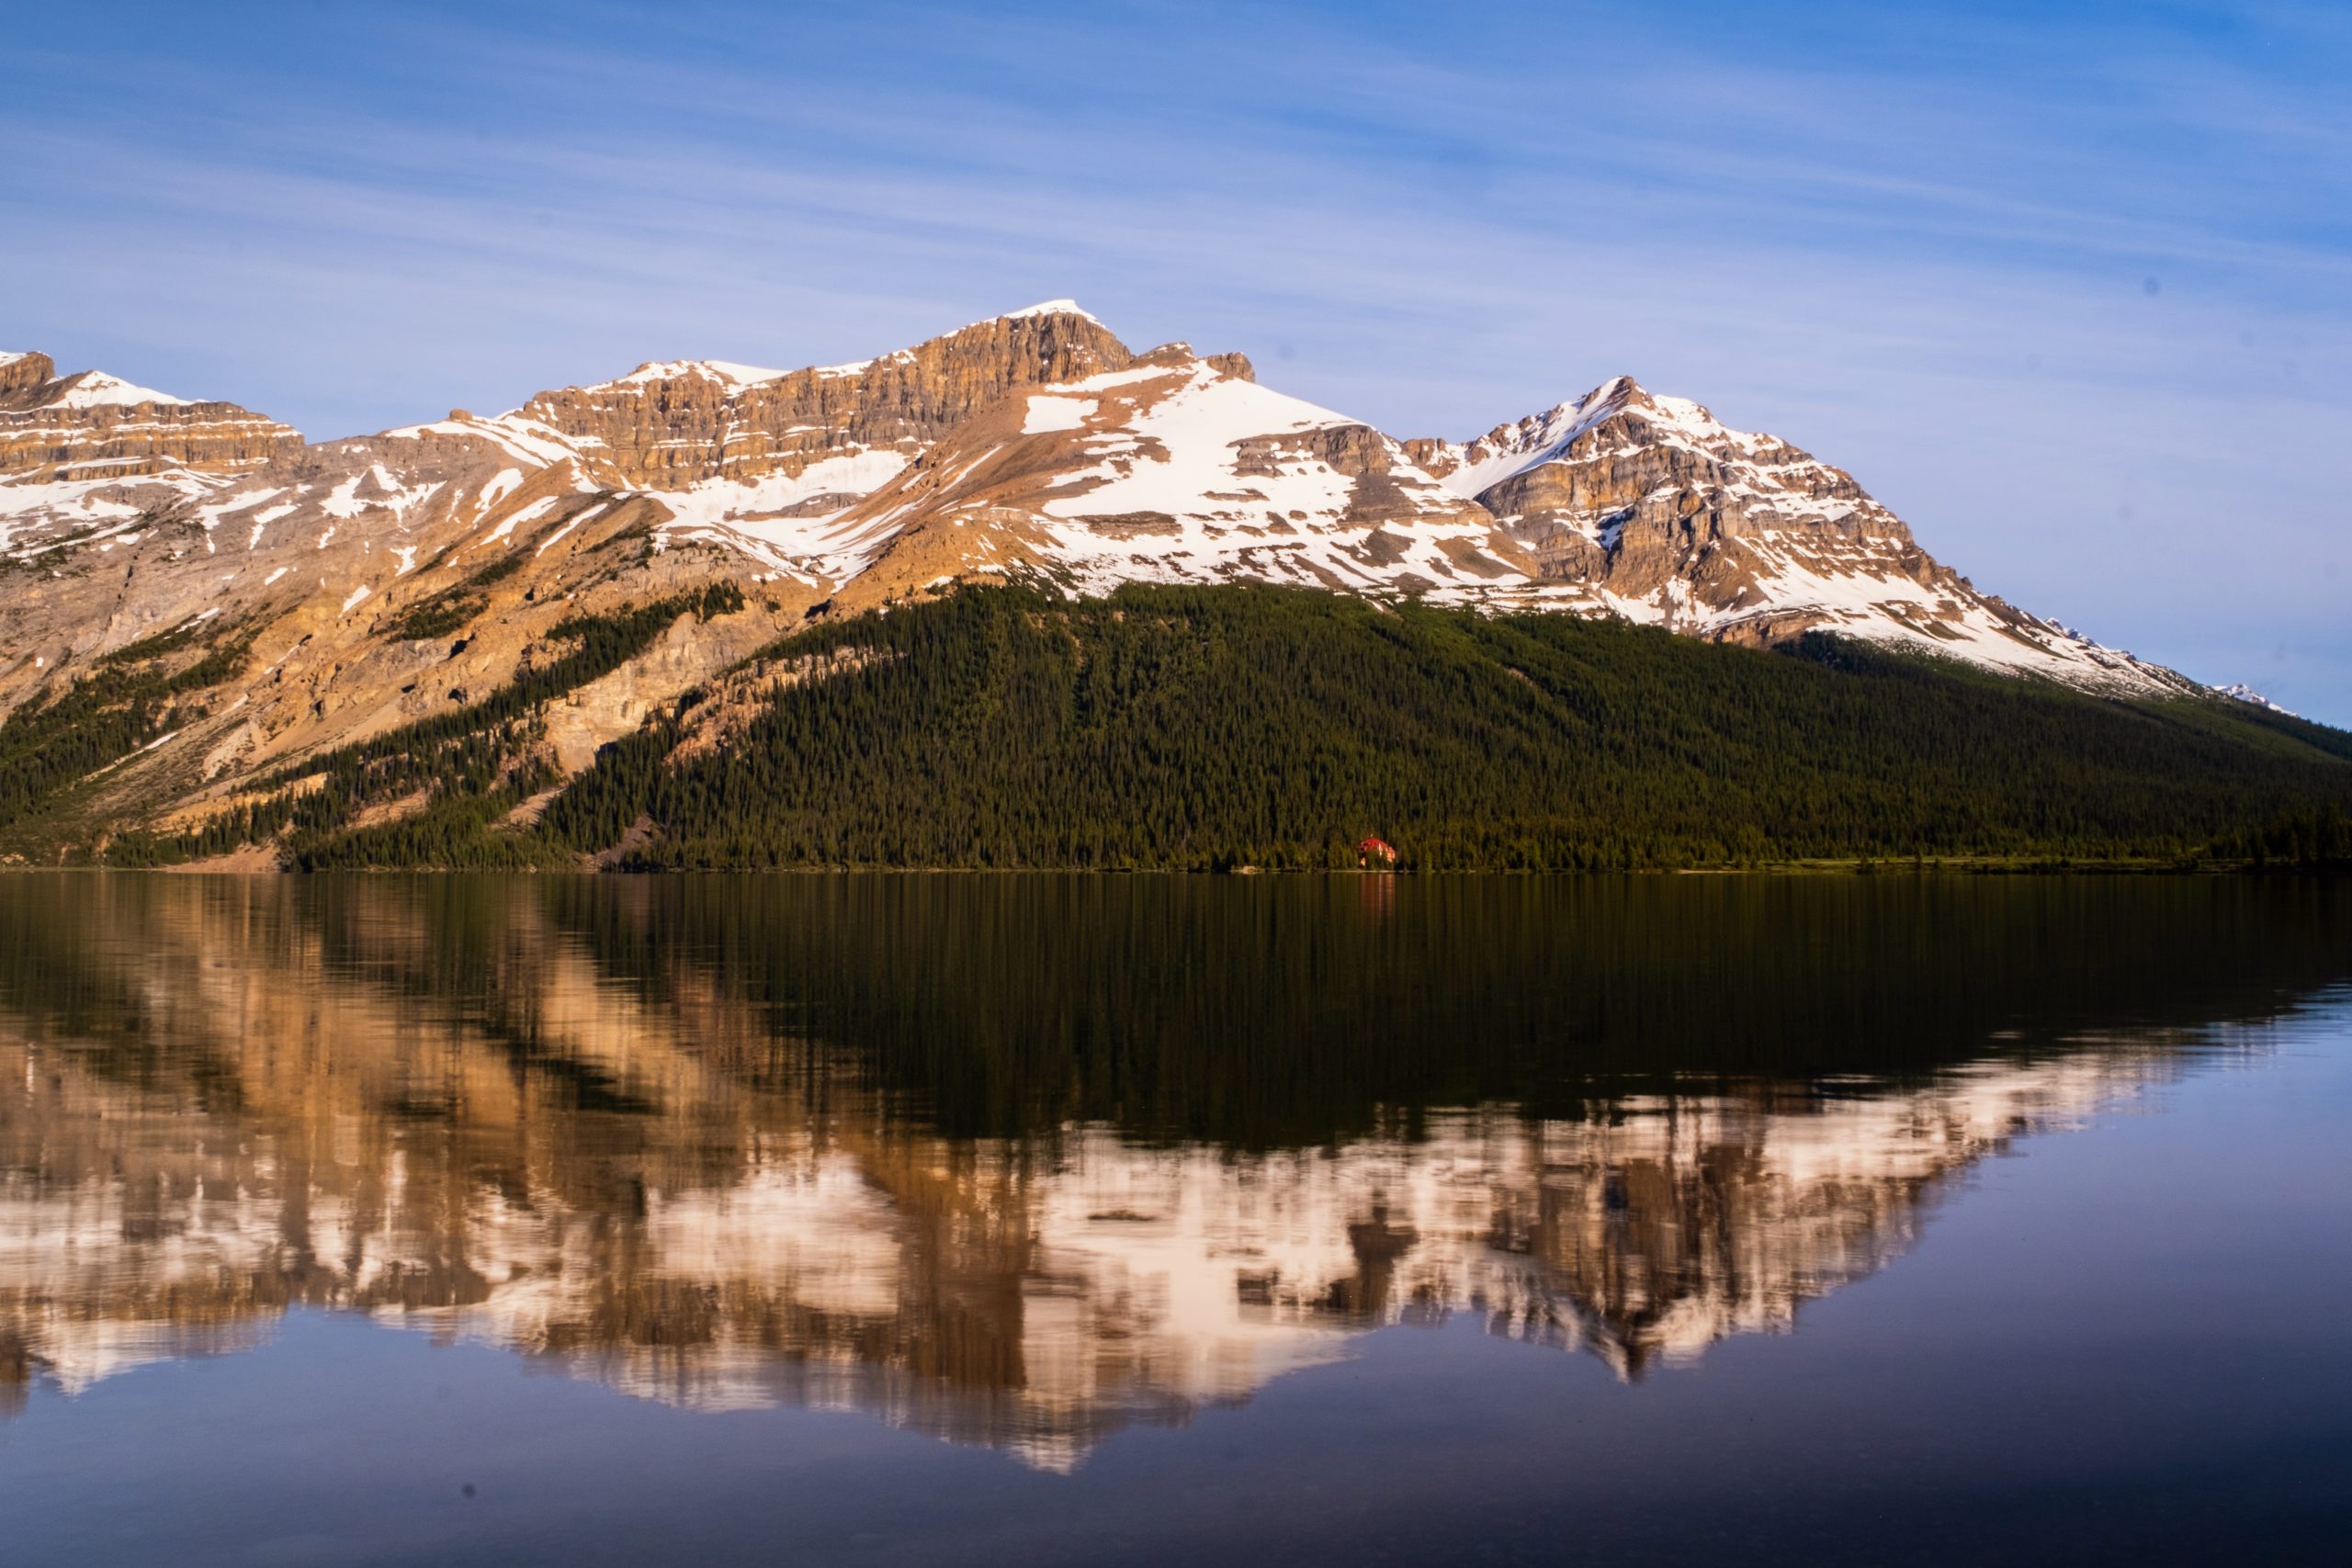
[(2240, 692), (21, 372), (90, 424), (1646, 506), (671, 423), (1049, 308)]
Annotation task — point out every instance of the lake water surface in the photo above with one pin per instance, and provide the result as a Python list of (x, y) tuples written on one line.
[(941, 1219)]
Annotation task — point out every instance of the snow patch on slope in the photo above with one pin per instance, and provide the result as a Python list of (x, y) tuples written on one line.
[(1177, 455), (522, 438), (1543, 439), (1048, 411), (734, 377), (1180, 472), (748, 515), (95, 388)]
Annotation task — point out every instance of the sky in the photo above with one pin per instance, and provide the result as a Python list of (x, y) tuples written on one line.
[(2067, 286)]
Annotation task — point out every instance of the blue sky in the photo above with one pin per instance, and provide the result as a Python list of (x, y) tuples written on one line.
[(2070, 287)]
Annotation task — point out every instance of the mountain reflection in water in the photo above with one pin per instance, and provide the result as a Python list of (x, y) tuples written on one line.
[(1021, 1161)]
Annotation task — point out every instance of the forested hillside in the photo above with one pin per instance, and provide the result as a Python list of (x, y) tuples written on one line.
[(1218, 727), (1222, 726)]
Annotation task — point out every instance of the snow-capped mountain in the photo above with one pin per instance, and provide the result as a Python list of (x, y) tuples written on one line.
[(1649, 508), (93, 427), (1175, 468), (1033, 445)]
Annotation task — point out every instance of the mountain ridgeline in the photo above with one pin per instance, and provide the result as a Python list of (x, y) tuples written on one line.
[(1021, 597)]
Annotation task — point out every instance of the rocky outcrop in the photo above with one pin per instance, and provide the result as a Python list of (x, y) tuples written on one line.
[(665, 425), (20, 374)]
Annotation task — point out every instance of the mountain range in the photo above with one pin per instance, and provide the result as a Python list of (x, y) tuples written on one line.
[(204, 611)]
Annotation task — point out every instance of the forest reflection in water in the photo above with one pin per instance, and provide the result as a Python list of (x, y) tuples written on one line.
[(1020, 1160)]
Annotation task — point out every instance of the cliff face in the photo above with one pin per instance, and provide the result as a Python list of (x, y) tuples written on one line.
[(665, 426), (91, 425), (20, 374)]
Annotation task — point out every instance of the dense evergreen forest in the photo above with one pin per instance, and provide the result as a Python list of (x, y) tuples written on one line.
[(137, 694), (1214, 729), (1223, 727)]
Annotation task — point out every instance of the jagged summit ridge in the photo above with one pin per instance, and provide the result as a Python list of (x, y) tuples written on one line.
[(736, 377), (1650, 508), (1507, 450)]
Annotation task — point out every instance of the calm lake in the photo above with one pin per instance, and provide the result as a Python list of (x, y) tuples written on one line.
[(1028, 1219)]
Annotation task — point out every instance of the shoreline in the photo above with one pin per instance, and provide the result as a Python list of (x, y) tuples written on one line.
[(245, 864)]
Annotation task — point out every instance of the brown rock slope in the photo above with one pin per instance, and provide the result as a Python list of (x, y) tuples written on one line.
[(666, 426)]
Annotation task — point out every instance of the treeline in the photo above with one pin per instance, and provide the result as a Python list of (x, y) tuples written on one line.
[(1219, 726), (2318, 839), (1215, 727)]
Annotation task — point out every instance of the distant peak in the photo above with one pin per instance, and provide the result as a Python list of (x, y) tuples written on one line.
[(1049, 308), (722, 371), (1617, 392), (1509, 450), (94, 389), (1028, 312), (1620, 393), (2243, 693)]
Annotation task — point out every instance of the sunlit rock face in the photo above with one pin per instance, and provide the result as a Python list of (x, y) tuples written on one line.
[(670, 425), (90, 425), (239, 1103)]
